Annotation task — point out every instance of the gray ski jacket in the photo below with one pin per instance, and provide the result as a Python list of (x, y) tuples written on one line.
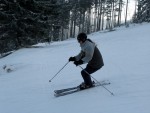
[(90, 54)]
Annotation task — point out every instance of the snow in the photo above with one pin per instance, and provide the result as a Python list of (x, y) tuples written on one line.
[(126, 52)]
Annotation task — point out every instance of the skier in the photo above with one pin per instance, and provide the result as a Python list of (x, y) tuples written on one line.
[(89, 54)]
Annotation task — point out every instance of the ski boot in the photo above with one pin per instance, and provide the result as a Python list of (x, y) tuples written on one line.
[(83, 86)]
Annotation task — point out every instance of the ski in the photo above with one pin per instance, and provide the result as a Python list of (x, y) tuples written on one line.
[(72, 88), (63, 90), (67, 91)]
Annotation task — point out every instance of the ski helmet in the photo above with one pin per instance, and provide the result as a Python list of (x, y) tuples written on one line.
[(82, 37)]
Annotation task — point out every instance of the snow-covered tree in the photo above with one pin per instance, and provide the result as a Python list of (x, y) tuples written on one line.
[(22, 22), (143, 11)]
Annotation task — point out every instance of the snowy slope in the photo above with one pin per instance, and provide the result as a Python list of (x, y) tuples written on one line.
[(126, 54)]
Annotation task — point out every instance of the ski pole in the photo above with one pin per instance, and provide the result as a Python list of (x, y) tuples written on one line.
[(58, 72), (97, 81)]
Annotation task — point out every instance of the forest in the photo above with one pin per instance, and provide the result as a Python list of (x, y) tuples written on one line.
[(27, 22)]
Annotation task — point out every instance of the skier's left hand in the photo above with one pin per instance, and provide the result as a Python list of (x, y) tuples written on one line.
[(72, 59), (78, 62)]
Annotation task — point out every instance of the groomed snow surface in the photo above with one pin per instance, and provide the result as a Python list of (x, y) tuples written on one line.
[(25, 75)]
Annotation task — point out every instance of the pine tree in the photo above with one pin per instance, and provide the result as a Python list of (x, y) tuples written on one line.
[(143, 12), (23, 22)]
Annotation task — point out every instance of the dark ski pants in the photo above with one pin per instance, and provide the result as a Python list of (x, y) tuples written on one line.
[(86, 74)]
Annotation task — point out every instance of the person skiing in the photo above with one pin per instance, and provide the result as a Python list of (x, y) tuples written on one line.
[(89, 54)]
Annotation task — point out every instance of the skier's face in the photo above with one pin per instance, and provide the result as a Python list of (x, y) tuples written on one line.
[(80, 41)]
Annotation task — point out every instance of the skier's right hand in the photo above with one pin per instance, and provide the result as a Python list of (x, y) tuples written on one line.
[(72, 59)]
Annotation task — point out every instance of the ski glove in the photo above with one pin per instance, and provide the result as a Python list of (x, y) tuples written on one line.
[(72, 59), (78, 62)]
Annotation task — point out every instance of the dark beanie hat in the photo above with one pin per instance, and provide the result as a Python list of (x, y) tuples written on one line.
[(82, 37)]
